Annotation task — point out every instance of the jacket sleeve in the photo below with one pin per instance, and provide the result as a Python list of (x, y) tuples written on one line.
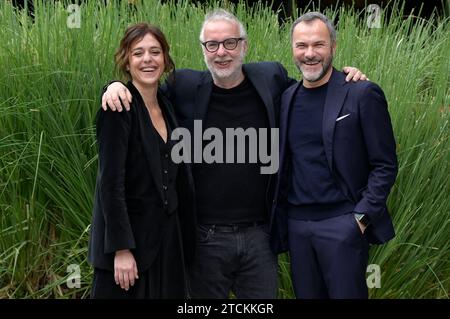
[(381, 151), (113, 129), (287, 81)]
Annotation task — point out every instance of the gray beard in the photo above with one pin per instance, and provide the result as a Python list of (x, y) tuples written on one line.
[(325, 69)]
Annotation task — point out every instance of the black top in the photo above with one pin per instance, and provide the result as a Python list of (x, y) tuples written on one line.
[(313, 193), (230, 193), (169, 169)]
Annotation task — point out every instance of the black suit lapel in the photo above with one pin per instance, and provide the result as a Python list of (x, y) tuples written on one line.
[(284, 113), (149, 139), (284, 123), (203, 95), (261, 86), (336, 93)]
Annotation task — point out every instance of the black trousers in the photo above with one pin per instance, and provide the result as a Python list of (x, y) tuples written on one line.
[(165, 279), (233, 258)]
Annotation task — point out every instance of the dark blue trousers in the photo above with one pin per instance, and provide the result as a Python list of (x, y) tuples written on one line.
[(328, 258)]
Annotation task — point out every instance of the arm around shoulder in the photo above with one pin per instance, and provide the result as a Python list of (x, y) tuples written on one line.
[(116, 97)]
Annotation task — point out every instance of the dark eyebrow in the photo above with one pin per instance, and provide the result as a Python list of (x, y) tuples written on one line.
[(151, 48), (317, 42)]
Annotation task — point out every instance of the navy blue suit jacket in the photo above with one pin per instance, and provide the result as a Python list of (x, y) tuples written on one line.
[(360, 149)]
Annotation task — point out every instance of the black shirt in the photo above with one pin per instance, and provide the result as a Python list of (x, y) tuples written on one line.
[(169, 169), (229, 193)]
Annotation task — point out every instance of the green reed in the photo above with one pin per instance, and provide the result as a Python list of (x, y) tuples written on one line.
[(51, 79)]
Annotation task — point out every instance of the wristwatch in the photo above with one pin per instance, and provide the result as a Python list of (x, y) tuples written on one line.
[(363, 219)]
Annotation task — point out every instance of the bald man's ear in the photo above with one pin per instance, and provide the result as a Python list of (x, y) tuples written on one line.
[(245, 44), (333, 48)]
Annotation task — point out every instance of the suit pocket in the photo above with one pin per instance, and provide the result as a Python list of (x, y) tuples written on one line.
[(343, 117), (344, 228), (355, 235), (345, 127)]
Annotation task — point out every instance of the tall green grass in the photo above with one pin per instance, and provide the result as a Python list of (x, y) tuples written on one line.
[(51, 78)]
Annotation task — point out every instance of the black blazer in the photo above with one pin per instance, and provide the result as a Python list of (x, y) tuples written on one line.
[(190, 92), (360, 149), (128, 209)]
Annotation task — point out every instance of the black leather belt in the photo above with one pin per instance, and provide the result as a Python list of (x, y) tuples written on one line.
[(228, 228)]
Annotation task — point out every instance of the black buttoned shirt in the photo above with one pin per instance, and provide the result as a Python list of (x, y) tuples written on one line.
[(169, 172)]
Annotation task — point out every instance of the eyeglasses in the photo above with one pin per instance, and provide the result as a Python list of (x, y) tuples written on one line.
[(229, 44)]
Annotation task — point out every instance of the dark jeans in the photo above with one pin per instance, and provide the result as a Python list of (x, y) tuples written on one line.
[(328, 258), (236, 259)]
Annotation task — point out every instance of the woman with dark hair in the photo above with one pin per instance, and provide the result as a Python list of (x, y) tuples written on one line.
[(135, 245)]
